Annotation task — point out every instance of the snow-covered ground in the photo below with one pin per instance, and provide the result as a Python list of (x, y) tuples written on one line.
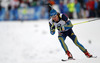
[(31, 42)]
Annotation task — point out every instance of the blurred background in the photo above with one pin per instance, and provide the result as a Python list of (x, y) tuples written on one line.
[(12, 10), (25, 36)]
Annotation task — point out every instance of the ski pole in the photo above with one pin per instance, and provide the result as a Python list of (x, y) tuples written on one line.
[(83, 22), (86, 21)]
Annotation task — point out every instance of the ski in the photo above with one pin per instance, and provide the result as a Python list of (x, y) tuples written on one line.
[(93, 57), (74, 59), (67, 59)]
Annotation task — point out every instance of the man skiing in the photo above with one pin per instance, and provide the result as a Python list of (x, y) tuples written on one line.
[(64, 26)]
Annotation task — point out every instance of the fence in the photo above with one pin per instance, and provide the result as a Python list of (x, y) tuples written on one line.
[(31, 13)]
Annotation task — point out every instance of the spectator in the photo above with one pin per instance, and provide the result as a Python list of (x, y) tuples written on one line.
[(2, 13), (13, 10), (34, 3), (14, 3), (84, 12), (98, 11), (85, 1), (78, 9), (0, 9), (97, 8), (57, 2), (42, 2), (28, 2), (63, 8), (23, 4), (90, 7), (71, 7), (81, 2)]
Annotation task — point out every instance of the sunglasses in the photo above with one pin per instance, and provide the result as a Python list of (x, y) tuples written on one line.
[(53, 16)]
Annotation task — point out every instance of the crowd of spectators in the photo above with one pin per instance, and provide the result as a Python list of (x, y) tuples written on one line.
[(82, 8)]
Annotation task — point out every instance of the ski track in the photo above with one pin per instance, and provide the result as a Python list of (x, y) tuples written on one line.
[(31, 42)]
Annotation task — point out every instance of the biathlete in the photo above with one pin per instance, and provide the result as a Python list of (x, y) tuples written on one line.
[(64, 26)]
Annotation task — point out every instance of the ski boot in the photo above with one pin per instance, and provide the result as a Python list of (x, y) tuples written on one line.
[(69, 55), (87, 54)]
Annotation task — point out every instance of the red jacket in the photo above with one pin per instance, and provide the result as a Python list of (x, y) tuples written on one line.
[(90, 5)]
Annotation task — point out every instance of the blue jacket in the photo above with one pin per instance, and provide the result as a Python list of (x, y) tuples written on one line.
[(78, 7)]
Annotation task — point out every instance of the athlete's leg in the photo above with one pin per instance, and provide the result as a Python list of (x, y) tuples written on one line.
[(75, 40), (81, 47), (61, 38)]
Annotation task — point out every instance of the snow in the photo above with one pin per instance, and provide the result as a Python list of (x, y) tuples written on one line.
[(31, 42)]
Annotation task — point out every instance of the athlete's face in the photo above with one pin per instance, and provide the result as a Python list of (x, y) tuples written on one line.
[(55, 18)]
